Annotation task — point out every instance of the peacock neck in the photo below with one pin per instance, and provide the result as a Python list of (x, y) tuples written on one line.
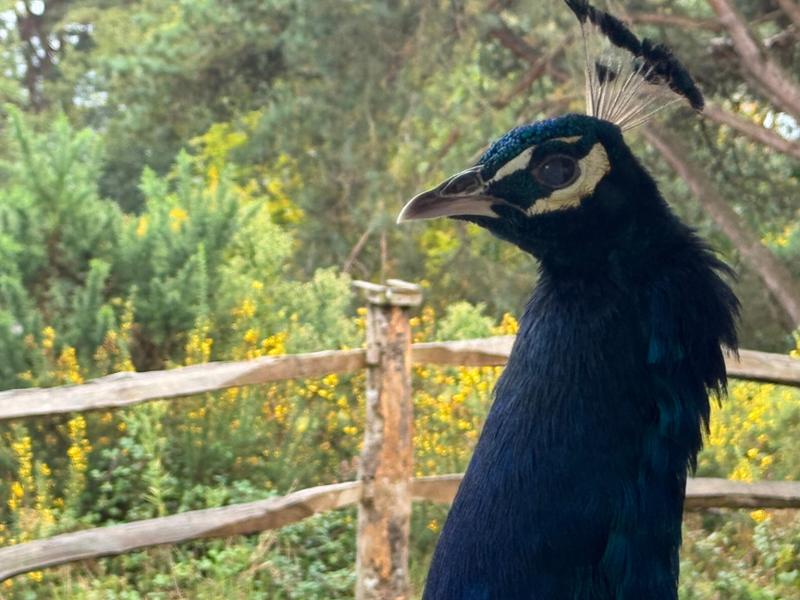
[(597, 417)]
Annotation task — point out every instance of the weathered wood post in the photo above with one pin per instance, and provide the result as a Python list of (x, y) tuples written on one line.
[(386, 465)]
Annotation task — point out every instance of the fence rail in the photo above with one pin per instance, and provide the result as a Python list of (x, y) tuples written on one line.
[(128, 388), (385, 487), (225, 521)]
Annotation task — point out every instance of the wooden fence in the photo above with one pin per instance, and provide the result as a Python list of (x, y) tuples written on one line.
[(385, 487)]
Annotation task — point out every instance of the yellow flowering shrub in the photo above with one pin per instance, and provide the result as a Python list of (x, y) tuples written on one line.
[(750, 433)]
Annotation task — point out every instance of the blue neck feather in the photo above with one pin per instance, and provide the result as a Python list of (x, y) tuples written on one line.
[(576, 487)]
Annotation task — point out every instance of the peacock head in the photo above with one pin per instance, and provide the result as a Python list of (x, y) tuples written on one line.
[(544, 183)]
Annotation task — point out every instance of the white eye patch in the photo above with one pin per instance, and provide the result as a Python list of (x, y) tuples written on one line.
[(523, 159), (593, 167), (518, 163)]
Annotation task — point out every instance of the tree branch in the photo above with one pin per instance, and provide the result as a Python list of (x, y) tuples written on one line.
[(538, 68), (513, 42), (681, 21), (792, 10), (776, 277), (762, 70), (755, 132), (362, 241)]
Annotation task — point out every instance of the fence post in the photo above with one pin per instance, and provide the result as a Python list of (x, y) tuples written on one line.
[(386, 465)]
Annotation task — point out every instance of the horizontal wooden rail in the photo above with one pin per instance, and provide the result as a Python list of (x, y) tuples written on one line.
[(225, 521), (764, 366), (722, 493), (749, 364), (701, 492), (125, 389), (274, 513), (485, 352)]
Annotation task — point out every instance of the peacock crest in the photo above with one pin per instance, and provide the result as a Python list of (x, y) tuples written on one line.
[(628, 80)]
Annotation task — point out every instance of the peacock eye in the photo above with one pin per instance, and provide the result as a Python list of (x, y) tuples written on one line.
[(557, 171)]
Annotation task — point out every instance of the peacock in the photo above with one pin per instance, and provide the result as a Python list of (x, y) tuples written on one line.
[(576, 486)]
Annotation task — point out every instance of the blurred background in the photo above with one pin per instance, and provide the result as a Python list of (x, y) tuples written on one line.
[(200, 180)]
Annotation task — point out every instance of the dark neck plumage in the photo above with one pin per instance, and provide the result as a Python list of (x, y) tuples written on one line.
[(576, 486), (644, 280)]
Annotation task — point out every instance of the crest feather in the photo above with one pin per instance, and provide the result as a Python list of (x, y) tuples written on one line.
[(628, 80)]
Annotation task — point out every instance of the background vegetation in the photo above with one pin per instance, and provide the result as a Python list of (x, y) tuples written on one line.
[(199, 180)]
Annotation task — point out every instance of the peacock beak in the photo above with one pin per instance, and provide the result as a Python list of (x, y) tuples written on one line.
[(459, 196)]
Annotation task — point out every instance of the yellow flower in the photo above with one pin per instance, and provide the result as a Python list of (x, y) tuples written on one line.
[(281, 412), (68, 368), (17, 490), (759, 516), (275, 345), (196, 415), (742, 472), (213, 179), (508, 325), (142, 225), (177, 217), (250, 336), (246, 310), (48, 337), (199, 345)]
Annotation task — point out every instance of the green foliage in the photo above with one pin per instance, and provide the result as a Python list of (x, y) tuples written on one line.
[(156, 75), (57, 236), (463, 321), (737, 559), (310, 560), (195, 254)]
